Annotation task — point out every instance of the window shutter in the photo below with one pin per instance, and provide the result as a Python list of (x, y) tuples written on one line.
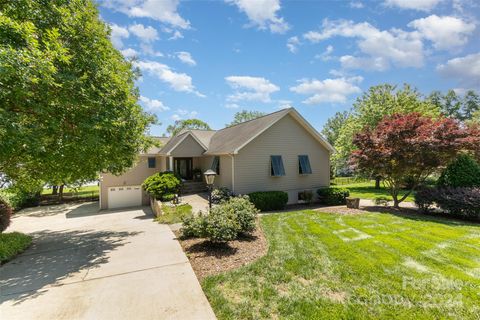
[(216, 164), (277, 168), (304, 165)]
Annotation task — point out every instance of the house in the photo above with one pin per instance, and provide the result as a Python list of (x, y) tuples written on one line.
[(279, 151)]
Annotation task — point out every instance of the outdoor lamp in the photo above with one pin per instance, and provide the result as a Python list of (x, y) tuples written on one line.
[(210, 178)]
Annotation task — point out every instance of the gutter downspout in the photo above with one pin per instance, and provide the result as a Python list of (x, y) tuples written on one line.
[(233, 173)]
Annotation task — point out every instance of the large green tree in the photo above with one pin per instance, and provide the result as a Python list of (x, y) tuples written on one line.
[(68, 103), (376, 103), (179, 125), (332, 128), (243, 116), (455, 106)]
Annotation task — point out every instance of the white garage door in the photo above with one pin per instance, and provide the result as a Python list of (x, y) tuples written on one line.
[(124, 196)]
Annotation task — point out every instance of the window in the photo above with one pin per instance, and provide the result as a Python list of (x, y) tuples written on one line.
[(304, 165), (152, 162), (277, 168), (216, 164)]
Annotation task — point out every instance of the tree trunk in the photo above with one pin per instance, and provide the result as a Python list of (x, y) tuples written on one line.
[(54, 190), (377, 182), (396, 202), (60, 193)]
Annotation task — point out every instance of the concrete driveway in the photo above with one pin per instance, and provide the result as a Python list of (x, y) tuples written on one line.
[(86, 264)]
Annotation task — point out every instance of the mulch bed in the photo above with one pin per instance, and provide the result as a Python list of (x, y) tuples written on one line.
[(209, 259)]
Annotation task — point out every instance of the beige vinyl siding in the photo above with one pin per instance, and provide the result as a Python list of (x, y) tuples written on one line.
[(289, 139), (189, 147), (134, 176), (224, 179)]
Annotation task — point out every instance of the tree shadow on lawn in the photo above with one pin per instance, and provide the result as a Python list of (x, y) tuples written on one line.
[(57, 258), (415, 214)]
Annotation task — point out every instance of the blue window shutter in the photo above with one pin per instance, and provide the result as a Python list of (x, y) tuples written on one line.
[(152, 163), (277, 168), (304, 165), (216, 164)]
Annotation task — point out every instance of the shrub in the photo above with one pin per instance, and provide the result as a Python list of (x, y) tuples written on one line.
[(463, 202), (18, 198), (162, 185), (381, 201), (332, 196), (12, 243), (221, 225), (224, 222), (5, 214), (306, 196), (221, 194), (464, 171), (425, 199), (194, 227), (269, 200)]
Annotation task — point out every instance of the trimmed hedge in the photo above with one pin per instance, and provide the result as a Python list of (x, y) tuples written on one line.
[(269, 200), (333, 196), (464, 171), (462, 202)]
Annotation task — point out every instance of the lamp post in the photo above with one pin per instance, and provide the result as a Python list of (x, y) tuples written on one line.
[(210, 178)]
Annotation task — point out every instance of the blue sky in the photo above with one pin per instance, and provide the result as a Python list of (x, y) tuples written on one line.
[(210, 59)]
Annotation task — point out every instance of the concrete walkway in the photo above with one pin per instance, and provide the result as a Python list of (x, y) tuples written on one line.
[(86, 264), (198, 201)]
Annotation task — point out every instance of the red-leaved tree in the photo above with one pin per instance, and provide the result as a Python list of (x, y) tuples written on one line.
[(409, 145)]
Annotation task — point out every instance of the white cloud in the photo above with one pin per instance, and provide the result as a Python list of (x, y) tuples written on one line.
[(186, 58), (145, 34), (251, 88), (177, 81), (232, 106), (263, 14), (421, 5), (161, 10), (284, 104), (117, 35), (153, 104), (184, 114), (292, 44), (445, 32), (356, 5), (367, 63), (326, 55), (176, 35), (129, 53), (149, 50), (466, 69), (395, 46), (328, 90)]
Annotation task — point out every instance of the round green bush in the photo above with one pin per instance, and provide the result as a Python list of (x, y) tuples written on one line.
[(5, 215), (464, 171), (269, 200), (162, 185), (333, 196)]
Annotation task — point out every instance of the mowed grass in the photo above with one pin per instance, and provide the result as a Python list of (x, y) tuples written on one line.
[(174, 214), (13, 243), (369, 266), (366, 190), (86, 191)]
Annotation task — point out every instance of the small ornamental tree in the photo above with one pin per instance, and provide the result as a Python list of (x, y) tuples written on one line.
[(409, 145)]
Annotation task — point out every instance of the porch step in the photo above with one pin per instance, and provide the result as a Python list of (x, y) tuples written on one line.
[(194, 187)]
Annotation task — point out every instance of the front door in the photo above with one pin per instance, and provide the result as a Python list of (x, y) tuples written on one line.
[(183, 167)]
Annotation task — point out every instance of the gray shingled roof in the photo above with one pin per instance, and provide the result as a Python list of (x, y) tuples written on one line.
[(231, 138), (162, 141)]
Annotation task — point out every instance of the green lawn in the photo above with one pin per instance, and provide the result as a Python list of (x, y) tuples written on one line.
[(366, 266), (83, 191), (174, 214), (12, 243), (366, 190)]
